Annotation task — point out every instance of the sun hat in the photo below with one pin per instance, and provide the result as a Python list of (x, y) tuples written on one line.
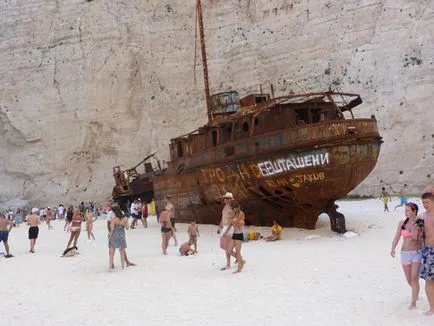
[(228, 195), (35, 210)]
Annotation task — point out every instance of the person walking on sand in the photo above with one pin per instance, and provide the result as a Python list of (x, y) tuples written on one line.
[(90, 219), (33, 222), (166, 230), (403, 196), (411, 256), (134, 213), (237, 221), (77, 219), (5, 228), (117, 237), (49, 217), (171, 209), (427, 266), (193, 233), (386, 198), (110, 216), (226, 230)]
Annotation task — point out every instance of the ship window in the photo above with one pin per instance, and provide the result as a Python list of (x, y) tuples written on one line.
[(316, 115), (260, 99), (179, 149), (214, 137), (245, 126), (302, 116), (256, 121)]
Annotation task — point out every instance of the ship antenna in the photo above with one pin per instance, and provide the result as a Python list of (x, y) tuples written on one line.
[(204, 63)]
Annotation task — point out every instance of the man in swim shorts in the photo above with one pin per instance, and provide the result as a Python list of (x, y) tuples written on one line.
[(4, 233), (33, 222), (427, 266)]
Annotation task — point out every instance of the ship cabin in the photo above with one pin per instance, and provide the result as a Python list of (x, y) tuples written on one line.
[(235, 119)]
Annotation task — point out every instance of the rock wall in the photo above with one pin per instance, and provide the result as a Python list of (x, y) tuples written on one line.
[(87, 85)]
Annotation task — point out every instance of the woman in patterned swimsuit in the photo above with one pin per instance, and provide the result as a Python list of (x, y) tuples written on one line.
[(117, 237)]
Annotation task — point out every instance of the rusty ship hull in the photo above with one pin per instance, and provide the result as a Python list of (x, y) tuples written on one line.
[(293, 175)]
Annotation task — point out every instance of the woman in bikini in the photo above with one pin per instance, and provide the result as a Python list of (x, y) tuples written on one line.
[(90, 218), (237, 221), (411, 249), (166, 230), (75, 228)]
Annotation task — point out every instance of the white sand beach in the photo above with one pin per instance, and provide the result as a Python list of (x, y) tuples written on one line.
[(309, 278)]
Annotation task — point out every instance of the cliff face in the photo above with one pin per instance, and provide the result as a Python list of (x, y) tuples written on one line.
[(87, 85)]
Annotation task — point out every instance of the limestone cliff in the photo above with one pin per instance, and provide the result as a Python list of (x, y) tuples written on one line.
[(86, 85)]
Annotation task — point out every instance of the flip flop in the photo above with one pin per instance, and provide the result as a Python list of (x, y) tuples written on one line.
[(8, 256)]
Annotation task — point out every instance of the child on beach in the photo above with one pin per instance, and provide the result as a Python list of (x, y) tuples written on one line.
[(386, 198), (90, 219), (185, 249), (4, 233), (193, 233), (276, 231)]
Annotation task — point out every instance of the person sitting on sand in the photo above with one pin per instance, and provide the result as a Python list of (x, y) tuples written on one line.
[(185, 249), (276, 231), (411, 249), (4, 233)]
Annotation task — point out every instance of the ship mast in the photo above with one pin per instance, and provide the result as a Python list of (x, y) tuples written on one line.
[(204, 63)]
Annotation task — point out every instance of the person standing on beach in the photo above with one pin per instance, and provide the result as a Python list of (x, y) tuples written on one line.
[(427, 267), (117, 237), (193, 233), (237, 221), (69, 214), (90, 219), (110, 216), (166, 230), (49, 217), (411, 249), (226, 229), (403, 196), (145, 214), (134, 213), (4, 233), (171, 209), (33, 222), (386, 198)]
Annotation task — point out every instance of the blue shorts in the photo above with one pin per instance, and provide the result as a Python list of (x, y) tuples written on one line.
[(404, 200), (427, 266), (410, 257), (4, 236)]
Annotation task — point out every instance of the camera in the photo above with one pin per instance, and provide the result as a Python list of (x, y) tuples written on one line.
[(420, 223)]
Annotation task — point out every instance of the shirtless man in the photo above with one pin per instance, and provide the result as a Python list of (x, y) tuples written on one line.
[(4, 233), (166, 230), (193, 233), (171, 209), (427, 266), (33, 222), (226, 241), (110, 216)]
